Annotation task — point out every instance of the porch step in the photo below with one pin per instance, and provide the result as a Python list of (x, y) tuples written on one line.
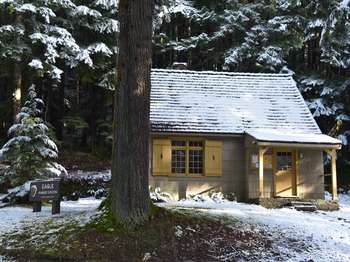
[(303, 203), (304, 206)]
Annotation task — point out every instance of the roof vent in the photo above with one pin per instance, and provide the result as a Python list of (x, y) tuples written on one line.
[(179, 66)]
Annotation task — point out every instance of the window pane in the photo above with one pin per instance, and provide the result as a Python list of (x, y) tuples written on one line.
[(195, 161), (284, 161), (196, 143), (178, 143), (178, 161)]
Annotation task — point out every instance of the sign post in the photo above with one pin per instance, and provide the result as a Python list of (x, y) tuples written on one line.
[(45, 190), (37, 206)]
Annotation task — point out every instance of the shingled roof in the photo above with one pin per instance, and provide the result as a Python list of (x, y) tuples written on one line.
[(227, 103)]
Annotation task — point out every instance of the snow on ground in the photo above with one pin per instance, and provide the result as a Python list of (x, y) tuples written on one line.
[(15, 219), (328, 233), (11, 217)]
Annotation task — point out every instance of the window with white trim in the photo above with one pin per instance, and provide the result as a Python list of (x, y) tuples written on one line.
[(187, 157)]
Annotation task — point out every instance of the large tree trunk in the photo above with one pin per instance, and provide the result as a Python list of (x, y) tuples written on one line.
[(130, 194), (17, 78), (17, 89)]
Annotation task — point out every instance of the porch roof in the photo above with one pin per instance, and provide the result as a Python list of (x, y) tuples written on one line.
[(281, 136)]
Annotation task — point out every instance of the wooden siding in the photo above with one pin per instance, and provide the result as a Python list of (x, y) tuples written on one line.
[(311, 174), (239, 177), (232, 179)]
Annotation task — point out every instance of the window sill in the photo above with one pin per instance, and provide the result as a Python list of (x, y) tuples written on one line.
[(180, 175), (187, 175)]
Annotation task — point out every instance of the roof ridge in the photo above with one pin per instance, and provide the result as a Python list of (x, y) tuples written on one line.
[(221, 72)]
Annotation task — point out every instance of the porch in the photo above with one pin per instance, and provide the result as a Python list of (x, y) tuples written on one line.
[(290, 165)]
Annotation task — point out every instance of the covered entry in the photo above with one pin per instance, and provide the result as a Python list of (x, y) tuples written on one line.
[(286, 150), (284, 172)]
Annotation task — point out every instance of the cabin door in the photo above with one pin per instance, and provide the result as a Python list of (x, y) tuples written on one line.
[(285, 173)]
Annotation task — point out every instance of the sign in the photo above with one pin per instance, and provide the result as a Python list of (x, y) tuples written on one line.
[(267, 161), (44, 190)]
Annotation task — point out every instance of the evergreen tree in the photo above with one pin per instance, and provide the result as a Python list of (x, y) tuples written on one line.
[(60, 45), (94, 27), (34, 36), (30, 153)]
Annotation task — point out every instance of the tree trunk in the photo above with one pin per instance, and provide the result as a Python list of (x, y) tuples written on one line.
[(17, 88), (94, 111), (130, 194), (17, 78)]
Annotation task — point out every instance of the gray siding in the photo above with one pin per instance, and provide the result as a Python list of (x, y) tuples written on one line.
[(252, 174), (231, 181), (311, 174), (240, 178)]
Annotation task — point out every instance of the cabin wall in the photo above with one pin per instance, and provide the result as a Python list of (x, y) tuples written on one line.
[(241, 177), (252, 172), (232, 179), (253, 178), (311, 174)]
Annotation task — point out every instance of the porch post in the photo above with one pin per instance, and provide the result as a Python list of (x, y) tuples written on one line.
[(333, 155), (334, 174), (262, 151)]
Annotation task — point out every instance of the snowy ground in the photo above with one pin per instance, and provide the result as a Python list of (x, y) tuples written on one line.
[(13, 217), (16, 219), (328, 233)]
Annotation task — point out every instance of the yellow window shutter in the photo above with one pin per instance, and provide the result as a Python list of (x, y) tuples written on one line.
[(161, 157), (213, 158)]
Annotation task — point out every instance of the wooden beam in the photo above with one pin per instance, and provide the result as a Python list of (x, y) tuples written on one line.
[(297, 172), (328, 151), (334, 175), (265, 149), (298, 145), (262, 151), (333, 154)]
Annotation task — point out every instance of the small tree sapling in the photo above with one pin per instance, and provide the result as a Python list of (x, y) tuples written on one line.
[(30, 153)]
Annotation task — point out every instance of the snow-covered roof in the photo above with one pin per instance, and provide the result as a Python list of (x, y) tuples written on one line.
[(275, 135), (227, 103)]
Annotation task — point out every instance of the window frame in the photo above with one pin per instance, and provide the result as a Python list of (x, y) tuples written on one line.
[(187, 149)]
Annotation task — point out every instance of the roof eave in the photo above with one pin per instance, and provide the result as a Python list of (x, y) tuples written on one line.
[(298, 144), (198, 134)]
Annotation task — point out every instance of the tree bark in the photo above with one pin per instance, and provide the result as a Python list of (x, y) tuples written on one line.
[(17, 89), (17, 77), (130, 193)]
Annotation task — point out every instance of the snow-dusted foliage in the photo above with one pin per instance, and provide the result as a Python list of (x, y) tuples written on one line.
[(325, 100), (335, 37), (30, 153), (97, 55), (47, 37), (35, 37)]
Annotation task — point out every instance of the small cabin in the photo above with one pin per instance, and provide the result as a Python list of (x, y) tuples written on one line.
[(247, 134)]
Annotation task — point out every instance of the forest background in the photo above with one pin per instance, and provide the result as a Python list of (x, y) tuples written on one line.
[(68, 49)]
